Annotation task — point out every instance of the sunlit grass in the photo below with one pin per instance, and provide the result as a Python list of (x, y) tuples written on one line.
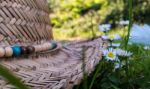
[(73, 35), (79, 35)]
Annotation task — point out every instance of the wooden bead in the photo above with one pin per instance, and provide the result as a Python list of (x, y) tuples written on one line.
[(8, 52), (49, 46), (30, 49), (36, 48), (39, 48), (23, 50), (2, 52), (45, 46)]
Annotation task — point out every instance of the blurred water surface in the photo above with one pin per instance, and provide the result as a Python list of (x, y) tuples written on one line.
[(140, 34)]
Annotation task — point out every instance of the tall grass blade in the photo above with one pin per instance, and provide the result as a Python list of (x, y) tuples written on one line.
[(11, 78), (130, 22), (85, 86), (95, 75)]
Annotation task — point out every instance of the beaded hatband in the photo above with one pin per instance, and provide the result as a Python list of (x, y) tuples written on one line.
[(18, 50)]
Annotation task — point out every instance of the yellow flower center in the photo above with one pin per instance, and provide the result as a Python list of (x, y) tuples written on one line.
[(111, 54)]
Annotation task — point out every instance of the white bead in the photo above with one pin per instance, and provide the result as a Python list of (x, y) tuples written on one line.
[(2, 52), (44, 47), (50, 45), (8, 52), (47, 46), (40, 48), (36, 48)]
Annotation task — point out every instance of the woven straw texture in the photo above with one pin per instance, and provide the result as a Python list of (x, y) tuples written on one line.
[(24, 21), (59, 69), (27, 22)]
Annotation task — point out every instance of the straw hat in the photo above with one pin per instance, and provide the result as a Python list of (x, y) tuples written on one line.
[(28, 50)]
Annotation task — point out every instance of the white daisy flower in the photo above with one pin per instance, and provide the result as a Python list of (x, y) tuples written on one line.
[(117, 65), (110, 54), (146, 47), (124, 53), (104, 27)]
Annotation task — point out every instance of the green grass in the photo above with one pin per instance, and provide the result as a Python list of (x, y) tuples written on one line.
[(105, 77), (130, 23), (9, 76)]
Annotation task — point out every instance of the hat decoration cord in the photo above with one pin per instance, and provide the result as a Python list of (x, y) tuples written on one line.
[(18, 50)]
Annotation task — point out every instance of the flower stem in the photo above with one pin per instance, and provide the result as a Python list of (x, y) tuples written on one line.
[(128, 35), (130, 23)]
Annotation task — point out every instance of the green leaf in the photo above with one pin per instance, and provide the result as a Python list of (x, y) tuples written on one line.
[(11, 78)]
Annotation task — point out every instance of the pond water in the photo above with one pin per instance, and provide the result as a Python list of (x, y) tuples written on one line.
[(140, 34)]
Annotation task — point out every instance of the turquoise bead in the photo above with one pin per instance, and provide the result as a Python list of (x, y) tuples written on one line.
[(16, 50), (54, 45)]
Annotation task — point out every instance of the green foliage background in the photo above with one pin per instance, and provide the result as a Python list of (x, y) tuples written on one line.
[(76, 18)]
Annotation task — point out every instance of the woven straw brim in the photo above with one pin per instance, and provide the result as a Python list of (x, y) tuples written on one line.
[(59, 69)]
